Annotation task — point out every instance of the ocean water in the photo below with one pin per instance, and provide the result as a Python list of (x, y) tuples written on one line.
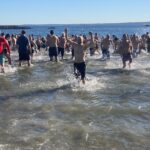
[(45, 108), (101, 29)]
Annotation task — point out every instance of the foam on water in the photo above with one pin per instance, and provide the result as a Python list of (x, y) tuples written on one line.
[(137, 64), (92, 83), (9, 70)]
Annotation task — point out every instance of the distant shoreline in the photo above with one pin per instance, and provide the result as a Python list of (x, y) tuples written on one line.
[(59, 24), (14, 27), (52, 24)]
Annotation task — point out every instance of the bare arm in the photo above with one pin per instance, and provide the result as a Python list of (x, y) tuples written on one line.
[(7, 45), (69, 40)]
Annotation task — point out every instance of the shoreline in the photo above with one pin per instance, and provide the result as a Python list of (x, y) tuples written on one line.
[(14, 27), (86, 23)]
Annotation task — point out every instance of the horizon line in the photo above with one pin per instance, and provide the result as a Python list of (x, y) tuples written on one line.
[(74, 23)]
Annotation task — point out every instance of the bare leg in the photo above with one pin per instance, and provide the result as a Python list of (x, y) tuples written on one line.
[(124, 64), (83, 81), (29, 63), (130, 63), (51, 58), (56, 58), (9, 59), (2, 68), (20, 64)]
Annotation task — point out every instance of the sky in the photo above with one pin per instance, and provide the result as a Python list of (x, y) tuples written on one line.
[(18, 12)]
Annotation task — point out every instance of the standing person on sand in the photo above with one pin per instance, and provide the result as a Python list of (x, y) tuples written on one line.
[(24, 49), (3, 43), (79, 53), (52, 43)]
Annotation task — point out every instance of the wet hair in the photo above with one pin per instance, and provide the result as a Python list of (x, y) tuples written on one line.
[(23, 32), (108, 36), (90, 33), (7, 36), (116, 39), (80, 40), (2, 34), (63, 34), (52, 32)]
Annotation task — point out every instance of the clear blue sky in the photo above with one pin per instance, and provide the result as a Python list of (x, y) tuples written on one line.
[(73, 11)]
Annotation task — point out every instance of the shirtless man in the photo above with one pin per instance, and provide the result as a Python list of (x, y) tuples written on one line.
[(62, 45), (52, 43), (105, 44), (38, 43), (3, 43), (79, 53), (92, 44), (135, 43), (13, 42), (97, 42), (125, 51), (116, 43)]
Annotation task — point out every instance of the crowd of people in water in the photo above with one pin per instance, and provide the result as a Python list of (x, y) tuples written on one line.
[(128, 46)]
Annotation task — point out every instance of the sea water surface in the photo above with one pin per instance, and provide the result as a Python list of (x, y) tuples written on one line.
[(45, 108)]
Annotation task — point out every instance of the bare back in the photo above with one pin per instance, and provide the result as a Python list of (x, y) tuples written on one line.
[(52, 41)]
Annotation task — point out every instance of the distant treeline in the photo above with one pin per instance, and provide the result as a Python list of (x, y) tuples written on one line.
[(14, 27)]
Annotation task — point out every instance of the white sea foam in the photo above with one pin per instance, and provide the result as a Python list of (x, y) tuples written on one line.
[(9, 70), (92, 83)]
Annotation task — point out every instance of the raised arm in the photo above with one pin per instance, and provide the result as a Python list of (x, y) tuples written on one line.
[(69, 40)]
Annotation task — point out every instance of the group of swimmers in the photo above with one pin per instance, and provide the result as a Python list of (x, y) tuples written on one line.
[(128, 47)]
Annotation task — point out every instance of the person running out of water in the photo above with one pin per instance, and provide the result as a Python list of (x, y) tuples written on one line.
[(52, 43), (62, 45), (116, 43), (125, 51), (105, 44), (3, 43), (79, 53), (135, 44), (24, 49)]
